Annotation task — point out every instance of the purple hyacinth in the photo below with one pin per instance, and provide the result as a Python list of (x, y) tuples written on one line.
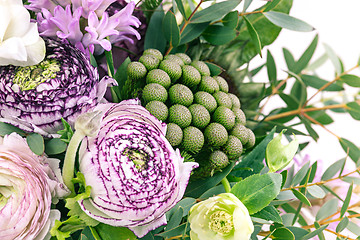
[(86, 24)]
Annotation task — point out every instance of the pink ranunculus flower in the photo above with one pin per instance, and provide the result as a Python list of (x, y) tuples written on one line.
[(28, 186), (135, 174)]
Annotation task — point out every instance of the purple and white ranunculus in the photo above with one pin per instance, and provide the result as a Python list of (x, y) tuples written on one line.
[(63, 85), (135, 174), (28, 185)]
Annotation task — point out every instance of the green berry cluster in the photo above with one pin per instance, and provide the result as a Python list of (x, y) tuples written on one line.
[(201, 114)]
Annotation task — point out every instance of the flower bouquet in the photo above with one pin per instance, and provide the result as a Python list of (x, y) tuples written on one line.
[(124, 120)]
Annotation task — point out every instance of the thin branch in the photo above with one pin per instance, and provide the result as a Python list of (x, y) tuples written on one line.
[(320, 124)]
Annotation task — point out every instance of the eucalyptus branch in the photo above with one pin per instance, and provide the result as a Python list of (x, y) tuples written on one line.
[(186, 22), (339, 235), (320, 124), (322, 182)]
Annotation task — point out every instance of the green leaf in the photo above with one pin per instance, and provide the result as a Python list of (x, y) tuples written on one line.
[(86, 234), (269, 213), (299, 89), (120, 77), (354, 228), (314, 233), (333, 169), (246, 4), (346, 203), (351, 80), (6, 129), (289, 59), (170, 29), (279, 156), (352, 149), (317, 63), (298, 232), (107, 232), (253, 162), (254, 35), (192, 31), (181, 8), (321, 117), (342, 225), (196, 188), (214, 69), (354, 110), (177, 231), (55, 146), (219, 35), (215, 11), (283, 233), (110, 63), (306, 56), (175, 218), (185, 203), (231, 19), (66, 133), (257, 191), (316, 191), (333, 58), (36, 143), (153, 37), (301, 197), (272, 4), (309, 128), (285, 21), (299, 176), (316, 82), (291, 102), (271, 67), (328, 208)]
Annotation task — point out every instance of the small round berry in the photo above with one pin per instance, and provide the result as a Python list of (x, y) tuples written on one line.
[(252, 139), (174, 134), (239, 116), (181, 94), (186, 59), (154, 52), (208, 84), (154, 92), (201, 67), (149, 61), (218, 160), (158, 109), (223, 85), (180, 115), (200, 116), (136, 70), (222, 99), (225, 117), (216, 134), (205, 99), (190, 76), (235, 100), (172, 68), (233, 147), (241, 132), (158, 76), (174, 58), (193, 139)]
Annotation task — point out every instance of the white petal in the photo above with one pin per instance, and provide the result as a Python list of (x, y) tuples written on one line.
[(35, 52), (12, 51), (19, 22), (4, 20)]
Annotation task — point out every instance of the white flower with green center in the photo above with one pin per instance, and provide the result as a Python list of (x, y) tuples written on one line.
[(223, 217), (20, 43)]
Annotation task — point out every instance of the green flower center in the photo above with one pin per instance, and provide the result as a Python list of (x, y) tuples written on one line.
[(30, 77), (221, 222), (138, 157), (5, 193)]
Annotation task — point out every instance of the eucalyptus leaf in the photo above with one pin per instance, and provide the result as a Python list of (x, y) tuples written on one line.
[(351, 149), (231, 19), (333, 169), (175, 218), (314, 233), (269, 213), (219, 35), (346, 202), (317, 82), (299, 176), (192, 31), (214, 69), (299, 195), (254, 35), (36, 143), (257, 191), (154, 38), (285, 21), (351, 80), (177, 231), (354, 228), (316, 191), (107, 232), (170, 29), (279, 156), (272, 4), (298, 232), (289, 59), (271, 67), (353, 108), (246, 4), (342, 225), (328, 208), (333, 58), (6, 129), (181, 8), (215, 11), (55, 146), (306, 56), (283, 233)]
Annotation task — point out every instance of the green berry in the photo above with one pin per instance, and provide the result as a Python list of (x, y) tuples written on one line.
[(241, 132), (201, 67), (239, 115), (222, 99), (174, 58), (186, 59), (158, 76), (216, 134), (200, 116), (205, 99), (136, 70), (252, 139), (235, 100), (158, 109), (154, 92), (218, 160), (172, 68), (181, 94), (180, 115), (190, 76), (156, 53), (149, 61), (193, 139), (223, 85), (225, 117), (174, 134), (233, 147), (208, 84)]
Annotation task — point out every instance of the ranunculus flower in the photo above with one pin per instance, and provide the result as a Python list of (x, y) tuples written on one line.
[(20, 43), (223, 217), (63, 85), (135, 174), (28, 185)]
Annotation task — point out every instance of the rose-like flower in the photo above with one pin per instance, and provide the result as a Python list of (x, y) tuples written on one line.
[(20, 43), (135, 174), (223, 217), (27, 186), (64, 85)]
